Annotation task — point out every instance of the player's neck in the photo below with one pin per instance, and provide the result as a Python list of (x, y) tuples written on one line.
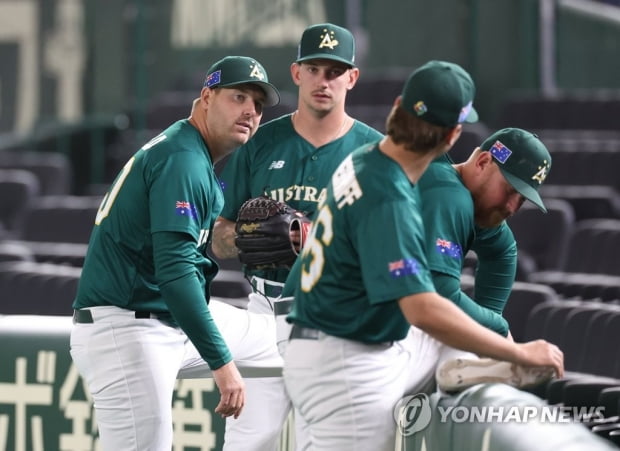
[(321, 130), (216, 149), (413, 163)]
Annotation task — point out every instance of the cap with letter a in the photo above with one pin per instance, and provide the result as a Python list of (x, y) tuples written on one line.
[(327, 41), (238, 70), (523, 159)]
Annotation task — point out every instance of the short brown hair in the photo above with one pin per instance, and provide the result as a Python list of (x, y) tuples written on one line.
[(412, 132)]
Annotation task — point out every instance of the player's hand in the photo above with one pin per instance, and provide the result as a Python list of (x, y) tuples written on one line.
[(542, 353), (232, 390)]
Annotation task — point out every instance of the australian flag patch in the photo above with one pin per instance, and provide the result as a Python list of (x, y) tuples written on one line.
[(185, 208), (448, 248), (500, 152), (213, 79), (403, 267)]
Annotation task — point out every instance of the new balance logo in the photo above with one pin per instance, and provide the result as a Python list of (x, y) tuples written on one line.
[(276, 164)]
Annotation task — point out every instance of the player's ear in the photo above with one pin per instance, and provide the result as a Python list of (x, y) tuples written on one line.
[(205, 96), (354, 75), (295, 73), (484, 159)]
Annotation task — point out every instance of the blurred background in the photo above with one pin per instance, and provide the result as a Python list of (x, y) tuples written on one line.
[(93, 80), (84, 83)]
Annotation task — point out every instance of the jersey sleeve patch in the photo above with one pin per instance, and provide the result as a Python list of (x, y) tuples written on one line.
[(185, 208), (403, 267), (448, 248)]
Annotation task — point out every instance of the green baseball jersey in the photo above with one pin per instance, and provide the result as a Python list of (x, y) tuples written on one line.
[(448, 215), (169, 185), (365, 252), (279, 162)]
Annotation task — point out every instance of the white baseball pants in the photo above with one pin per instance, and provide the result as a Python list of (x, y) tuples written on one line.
[(346, 391), (130, 366), (267, 404)]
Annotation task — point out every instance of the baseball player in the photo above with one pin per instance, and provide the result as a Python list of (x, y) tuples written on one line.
[(362, 279), (142, 309), (508, 168), (290, 159)]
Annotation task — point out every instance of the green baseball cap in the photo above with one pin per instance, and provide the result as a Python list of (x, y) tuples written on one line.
[(237, 70), (441, 93), (327, 41), (523, 159)]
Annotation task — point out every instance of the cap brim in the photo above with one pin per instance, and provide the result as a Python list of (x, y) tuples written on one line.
[(271, 93), (472, 116), (524, 189), (272, 96), (323, 56)]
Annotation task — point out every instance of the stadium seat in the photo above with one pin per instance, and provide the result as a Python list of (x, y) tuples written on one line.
[(588, 111), (596, 360), (574, 345), (586, 392), (555, 325), (61, 219), (544, 237), (584, 286), (605, 430), (536, 325), (523, 298), (37, 288), (586, 353), (568, 166), (587, 201), (609, 400), (18, 190), (580, 140), (53, 170), (72, 254), (593, 249), (12, 251)]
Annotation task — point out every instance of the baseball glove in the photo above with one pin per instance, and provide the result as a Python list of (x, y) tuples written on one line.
[(269, 233)]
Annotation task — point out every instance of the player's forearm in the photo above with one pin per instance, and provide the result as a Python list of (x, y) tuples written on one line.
[(186, 302), (223, 244), (449, 287), (443, 320), (497, 268), (185, 295), (494, 281)]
